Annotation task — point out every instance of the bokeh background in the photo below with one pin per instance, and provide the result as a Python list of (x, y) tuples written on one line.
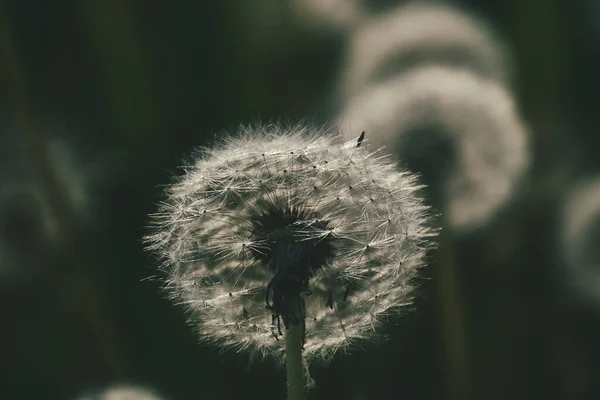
[(102, 100)]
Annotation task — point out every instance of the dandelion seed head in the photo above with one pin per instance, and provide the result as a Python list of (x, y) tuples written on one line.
[(422, 34), (580, 237), (123, 392), (460, 131), (332, 14), (291, 225)]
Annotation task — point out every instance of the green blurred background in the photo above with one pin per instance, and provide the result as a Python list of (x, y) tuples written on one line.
[(102, 100)]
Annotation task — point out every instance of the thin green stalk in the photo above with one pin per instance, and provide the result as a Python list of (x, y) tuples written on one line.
[(452, 321), (293, 363)]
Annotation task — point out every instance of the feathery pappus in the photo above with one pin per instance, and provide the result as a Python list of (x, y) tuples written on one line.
[(283, 225)]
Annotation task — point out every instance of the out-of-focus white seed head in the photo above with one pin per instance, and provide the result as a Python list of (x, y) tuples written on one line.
[(419, 34), (581, 238), (296, 211), (29, 225), (332, 14), (460, 131), (68, 172), (123, 392)]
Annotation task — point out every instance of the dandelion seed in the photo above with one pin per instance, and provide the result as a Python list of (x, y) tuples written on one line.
[(580, 237), (421, 34), (291, 226), (460, 131)]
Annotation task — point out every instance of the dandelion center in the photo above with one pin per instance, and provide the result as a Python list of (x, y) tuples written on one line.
[(293, 246)]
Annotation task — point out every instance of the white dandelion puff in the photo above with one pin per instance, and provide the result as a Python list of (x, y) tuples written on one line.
[(332, 14), (460, 131), (581, 236), (123, 392), (291, 226), (420, 34)]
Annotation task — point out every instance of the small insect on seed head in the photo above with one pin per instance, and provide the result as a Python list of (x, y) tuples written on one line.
[(283, 226)]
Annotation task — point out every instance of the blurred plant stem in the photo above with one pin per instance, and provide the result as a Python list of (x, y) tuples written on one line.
[(451, 319), (293, 363), (542, 52), (124, 70), (73, 286)]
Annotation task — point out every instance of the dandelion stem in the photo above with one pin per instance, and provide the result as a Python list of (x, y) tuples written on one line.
[(452, 321), (293, 362)]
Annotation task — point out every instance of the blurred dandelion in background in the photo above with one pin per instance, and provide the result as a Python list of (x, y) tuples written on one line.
[(388, 44), (330, 14), (123, 392), (48, 207), (26, 209), (430, 84), (324, 234), (462, 133), (581, 238)]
